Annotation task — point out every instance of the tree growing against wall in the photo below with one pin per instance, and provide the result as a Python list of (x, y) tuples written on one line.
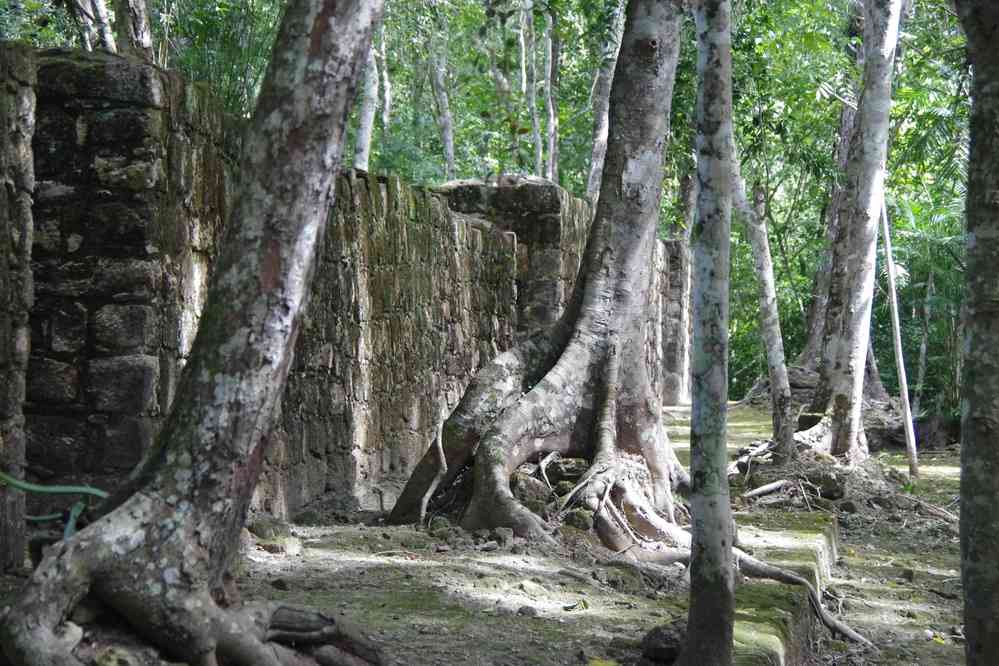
[(159, 557)]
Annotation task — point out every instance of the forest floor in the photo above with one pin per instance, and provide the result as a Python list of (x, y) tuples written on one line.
[(442, 596)]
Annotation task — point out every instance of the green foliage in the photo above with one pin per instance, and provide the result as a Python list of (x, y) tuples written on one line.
[(39, 22), (794, 69), (225, 42)]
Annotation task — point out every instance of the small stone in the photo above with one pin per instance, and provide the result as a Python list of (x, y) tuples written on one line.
[(489, 546), (847, 506), (442, 548), (527, 611), (567, 469), (909, 574), (928, 634), (664, 643), (280, 584)]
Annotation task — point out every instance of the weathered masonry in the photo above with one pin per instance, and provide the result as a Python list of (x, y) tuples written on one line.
[(416, 289)]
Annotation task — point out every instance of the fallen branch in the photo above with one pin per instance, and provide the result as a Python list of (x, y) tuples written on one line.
[(767, 488)]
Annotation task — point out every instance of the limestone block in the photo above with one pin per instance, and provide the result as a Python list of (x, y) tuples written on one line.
[(52, 381), (123, 383), (124, 328), (68, 328)]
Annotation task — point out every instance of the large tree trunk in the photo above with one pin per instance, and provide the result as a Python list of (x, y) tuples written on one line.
[(851, 290), (366, 114), (811, 354), (157, 557), (601, 101), (587, 375), (712, 585), (980, 409), (17, 185), (131, 26)]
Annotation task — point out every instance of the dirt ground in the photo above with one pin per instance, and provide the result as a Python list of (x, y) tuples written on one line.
[(443, 596)]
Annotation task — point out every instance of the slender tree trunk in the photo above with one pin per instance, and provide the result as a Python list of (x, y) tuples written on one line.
[(712, 601), (386, 87), (529, 82), (438, 76), (780, 387), (601, 101), (896, 327), (552, 52), (83, 15), (923, 346), (131, 26), (851, 291), (99, 13), (160, 552), (980, 409), (366, 115)]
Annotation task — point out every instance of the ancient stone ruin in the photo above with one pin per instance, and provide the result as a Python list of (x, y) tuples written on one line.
[(415, 291)]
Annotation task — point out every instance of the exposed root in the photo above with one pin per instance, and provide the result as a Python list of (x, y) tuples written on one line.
[(438, 447), (757, 569)]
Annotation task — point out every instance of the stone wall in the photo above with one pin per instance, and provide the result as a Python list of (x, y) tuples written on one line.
[(17, 181), (129, 204), (415, 291)]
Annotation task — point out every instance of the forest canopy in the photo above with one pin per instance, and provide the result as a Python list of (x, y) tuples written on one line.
[(493, 67)]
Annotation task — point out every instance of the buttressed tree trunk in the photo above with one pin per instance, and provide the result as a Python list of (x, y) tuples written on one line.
[(980, 409), (582, 387), (131, 26), (851, 291), (712, 585), (157, 557)]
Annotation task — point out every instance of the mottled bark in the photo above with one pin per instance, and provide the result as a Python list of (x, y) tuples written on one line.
[(712, 597), (896, 328), (529, 82), (600, 99), (366, 114), (851, 291), (17, 185), (553, 48), (131, 26), (445, 122), (979, 404), (927, 315), (773, 342), (156, 557)]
